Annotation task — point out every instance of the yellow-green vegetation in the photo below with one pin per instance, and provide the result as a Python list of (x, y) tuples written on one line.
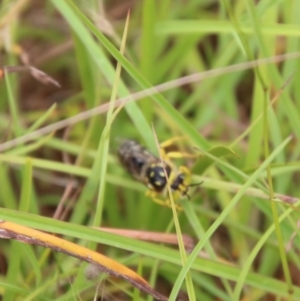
[(223, 75)]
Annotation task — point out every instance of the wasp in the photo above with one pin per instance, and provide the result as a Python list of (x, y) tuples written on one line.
[(154, 172)]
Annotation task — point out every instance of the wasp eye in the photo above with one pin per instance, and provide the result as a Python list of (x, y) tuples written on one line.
[(179, 180)]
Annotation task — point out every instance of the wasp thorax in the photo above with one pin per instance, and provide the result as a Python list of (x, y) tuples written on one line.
[(156, 176)]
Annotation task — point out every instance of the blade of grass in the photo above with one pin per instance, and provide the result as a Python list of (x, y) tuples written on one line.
[(198, 229), (27, 235), (105, 66), (182, 251), (278, 232), (264, 283), (105, 139), (138, 95), (16, 120), (221, 218), (13, 271), (42, 119), (247, 265), (184, 125), (191, 27)]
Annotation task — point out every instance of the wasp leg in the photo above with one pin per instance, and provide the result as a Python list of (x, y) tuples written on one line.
[(167, 156), (167, 203), (177, 154), (185, 171), (171, 141)]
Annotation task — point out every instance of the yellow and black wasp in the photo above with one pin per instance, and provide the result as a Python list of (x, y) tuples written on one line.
[(150, 170)]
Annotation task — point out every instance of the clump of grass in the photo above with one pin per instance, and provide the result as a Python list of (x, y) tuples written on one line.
[(239, 111)]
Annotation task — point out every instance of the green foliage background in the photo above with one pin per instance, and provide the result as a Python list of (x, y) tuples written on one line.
[(241, 236)]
